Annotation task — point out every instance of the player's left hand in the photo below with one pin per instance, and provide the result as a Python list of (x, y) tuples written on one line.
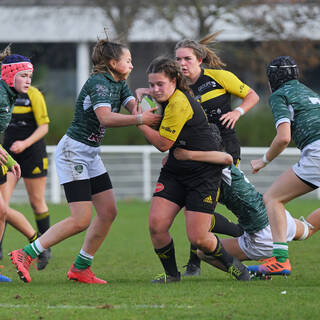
[(18, 146), (15, 169), (256, 165), (229, 119)]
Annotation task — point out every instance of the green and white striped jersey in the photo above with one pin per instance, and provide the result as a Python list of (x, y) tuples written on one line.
[(99, 90), (295, 103), (241, 197)]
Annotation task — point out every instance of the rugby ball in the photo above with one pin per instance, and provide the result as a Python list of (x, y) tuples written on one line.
[(148, 102)]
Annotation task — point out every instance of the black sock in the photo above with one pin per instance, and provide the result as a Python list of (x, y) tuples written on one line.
[(194, 259), (43, 221), (168, 259), (221, 254), (221, 224), (34, 237)]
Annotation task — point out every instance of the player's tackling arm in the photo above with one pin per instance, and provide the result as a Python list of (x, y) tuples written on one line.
[(215, 157), (153, 136)]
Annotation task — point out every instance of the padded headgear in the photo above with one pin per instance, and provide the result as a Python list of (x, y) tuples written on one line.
[(12, 65), (281, 70)]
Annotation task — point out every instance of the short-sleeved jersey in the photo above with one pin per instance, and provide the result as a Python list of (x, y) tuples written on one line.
[(29, 112), (185, 122), (100, 90), (7, 99), (297, 104), (213, 90), (241, 197)]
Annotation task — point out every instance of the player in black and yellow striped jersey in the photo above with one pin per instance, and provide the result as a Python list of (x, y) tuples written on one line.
[(183, 184), (213, 87), (24, 140)]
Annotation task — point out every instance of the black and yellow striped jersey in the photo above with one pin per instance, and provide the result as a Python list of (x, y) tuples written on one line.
[(185, 122), (213, 90), (29, 112)]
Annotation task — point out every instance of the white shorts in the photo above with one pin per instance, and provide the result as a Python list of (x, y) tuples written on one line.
[(259, 245), (77, 161), (308, 167)]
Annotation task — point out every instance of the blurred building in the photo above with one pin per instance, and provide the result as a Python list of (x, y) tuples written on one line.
[(58, 36)]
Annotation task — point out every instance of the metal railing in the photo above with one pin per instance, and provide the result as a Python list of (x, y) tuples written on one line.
[(135, 169)]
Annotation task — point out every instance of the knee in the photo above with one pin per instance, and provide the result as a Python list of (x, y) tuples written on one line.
[(155, 226), (267, 198), (80, 224), (109, 215), (3, 211), (197, 241)]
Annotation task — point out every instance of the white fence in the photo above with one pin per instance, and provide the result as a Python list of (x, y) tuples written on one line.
[(134, 170)]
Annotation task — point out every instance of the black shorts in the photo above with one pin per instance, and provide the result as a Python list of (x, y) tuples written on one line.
[(83, 190), (33, 161), (232, 146), (198, 196)]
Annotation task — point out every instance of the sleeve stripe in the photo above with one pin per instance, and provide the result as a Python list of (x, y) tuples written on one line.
[(282, 120), (124, 103), (99, 105)]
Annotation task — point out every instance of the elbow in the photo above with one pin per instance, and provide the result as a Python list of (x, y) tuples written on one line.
[(283, 141), (163, 148), (255, 97)]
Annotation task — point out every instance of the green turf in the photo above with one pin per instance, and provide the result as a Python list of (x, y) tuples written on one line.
[(127, 261)]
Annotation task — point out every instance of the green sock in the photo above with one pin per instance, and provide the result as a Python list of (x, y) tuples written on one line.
[(30, 250), (280, 251), (83, 260)]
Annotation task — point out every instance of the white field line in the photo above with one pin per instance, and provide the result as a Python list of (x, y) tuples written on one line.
[(106, 306)]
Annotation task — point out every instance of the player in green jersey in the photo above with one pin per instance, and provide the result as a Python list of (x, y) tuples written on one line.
[(16, 75), (296, 112), (79, 166), (241, 198)]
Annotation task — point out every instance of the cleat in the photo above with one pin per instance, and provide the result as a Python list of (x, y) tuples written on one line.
[(166, 278), (83, 275), (4, 278), (271, 267), (22, 262), (239, 271), (43, 259), (260, 276), (192, 270)]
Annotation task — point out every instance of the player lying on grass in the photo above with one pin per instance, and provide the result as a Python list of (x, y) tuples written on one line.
[(241, 197)]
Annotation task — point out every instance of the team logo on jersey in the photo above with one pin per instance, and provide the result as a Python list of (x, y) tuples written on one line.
[(78, 168), (168, 129), (208, 199), (206, 85), (102, 91), (159, 187)]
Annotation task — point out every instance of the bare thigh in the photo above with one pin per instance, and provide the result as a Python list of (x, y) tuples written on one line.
[(232, 247), (286, 187)]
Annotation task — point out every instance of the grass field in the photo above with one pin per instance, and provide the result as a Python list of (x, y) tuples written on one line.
[(127, 261)]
